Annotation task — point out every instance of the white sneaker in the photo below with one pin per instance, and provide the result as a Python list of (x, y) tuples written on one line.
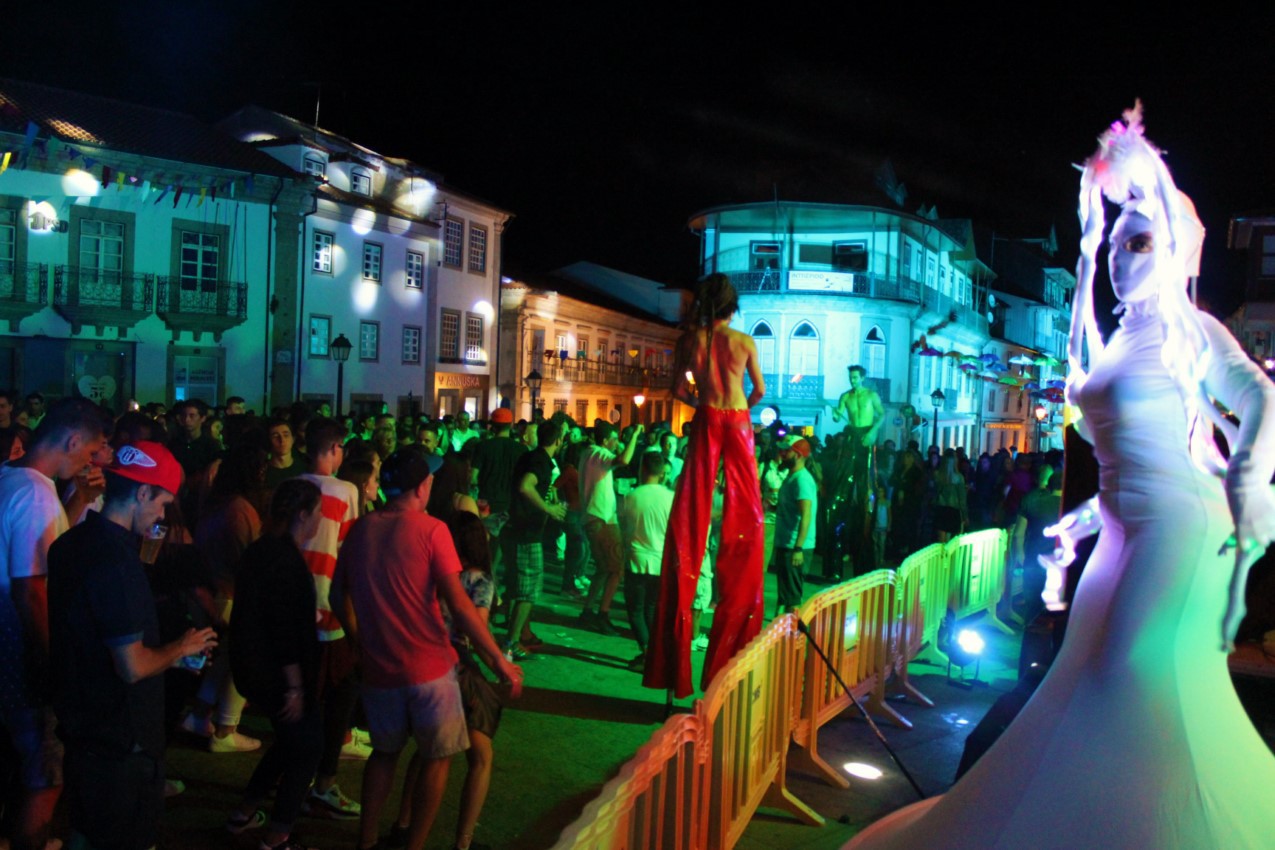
[(233, 743)]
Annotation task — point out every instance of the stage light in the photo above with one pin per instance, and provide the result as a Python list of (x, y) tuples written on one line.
[(861, 770), (970, 641)]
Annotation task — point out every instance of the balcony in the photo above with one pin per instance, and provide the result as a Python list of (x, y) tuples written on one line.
[(102, 299), (209, 308), (789, 387), (859, 284), (24, 291), (586, 371)]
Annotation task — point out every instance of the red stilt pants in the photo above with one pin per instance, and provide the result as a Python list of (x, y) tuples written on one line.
[(725, 436)]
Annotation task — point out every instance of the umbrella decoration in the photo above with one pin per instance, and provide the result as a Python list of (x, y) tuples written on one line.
[(1046, 360), (1008, 379), (1021, 360)]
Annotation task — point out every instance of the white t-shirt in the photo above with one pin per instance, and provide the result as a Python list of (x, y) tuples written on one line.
[(644, 519), (31, 518), (597, 486)]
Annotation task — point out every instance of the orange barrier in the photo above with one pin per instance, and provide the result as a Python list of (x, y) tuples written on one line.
[(907, 634), (657, 799), (852, 624), (976, 574), (749, 710)]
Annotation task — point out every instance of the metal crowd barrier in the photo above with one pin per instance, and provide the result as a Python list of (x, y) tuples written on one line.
[(697, 783)]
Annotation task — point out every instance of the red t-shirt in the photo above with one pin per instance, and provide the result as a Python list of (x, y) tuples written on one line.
[(389, 566)]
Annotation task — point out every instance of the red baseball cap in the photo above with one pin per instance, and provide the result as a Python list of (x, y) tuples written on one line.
[(502, 416), (150, 463)]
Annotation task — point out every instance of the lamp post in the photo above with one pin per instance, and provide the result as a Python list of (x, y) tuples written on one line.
[(533, 381), (1040, 413), (638, 401), (936, 398), (340, 350)]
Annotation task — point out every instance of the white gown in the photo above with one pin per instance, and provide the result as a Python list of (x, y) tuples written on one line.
[(1135, 739)]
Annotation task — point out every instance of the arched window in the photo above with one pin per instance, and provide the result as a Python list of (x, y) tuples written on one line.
[(765, 339), (803, 350), (873, 354)]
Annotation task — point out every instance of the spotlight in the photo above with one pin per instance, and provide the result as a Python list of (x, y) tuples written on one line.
[(963, 649), (861, 770), (970, 641)]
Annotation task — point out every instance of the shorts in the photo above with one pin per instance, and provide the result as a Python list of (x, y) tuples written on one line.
[(529, 572), (32, 729), (605, 543), (431, 712), (481, 702)]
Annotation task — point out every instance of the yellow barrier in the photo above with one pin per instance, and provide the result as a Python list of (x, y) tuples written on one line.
[(907, 634), (749, 710), (852, 624), (976, 574), (657, 799)]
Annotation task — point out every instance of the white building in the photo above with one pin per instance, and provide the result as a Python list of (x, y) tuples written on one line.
[(600, 341), (137, 252), (824, 287), (404, 267)]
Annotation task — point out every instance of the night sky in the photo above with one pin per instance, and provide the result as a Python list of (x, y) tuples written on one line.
[(604, 130)]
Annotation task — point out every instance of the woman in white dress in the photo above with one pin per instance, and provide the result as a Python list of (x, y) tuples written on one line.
[(1136, 738)]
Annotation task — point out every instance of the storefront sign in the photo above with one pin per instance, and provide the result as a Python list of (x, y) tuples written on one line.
[(451, 380)]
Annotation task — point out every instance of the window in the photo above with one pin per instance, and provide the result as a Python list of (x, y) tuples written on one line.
[(474, 352), (764, 337), (559, 405), (453, 242), (102, 247), (582, 348), (803, 351), (991, 401), (850, 256), (477, 249), (200, 261), (323, 251), (361, 181), (411, 344), (369, 340), (372, 261), (582, 412), (415, 270), (8, 235), (602, 410), (1268, 256), (313, 164), (449, 337), (320, 335), (764, 256), (931, 272), (874, 353)]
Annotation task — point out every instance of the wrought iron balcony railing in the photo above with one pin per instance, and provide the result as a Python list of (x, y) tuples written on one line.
[(213, 308), (861, 284), (587, 371), (24, 290), (87, 296)]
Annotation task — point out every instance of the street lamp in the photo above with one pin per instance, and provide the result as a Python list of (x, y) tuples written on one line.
[(340, 350), (533, 381), (936, 398), (638, 401), (1040, 413)]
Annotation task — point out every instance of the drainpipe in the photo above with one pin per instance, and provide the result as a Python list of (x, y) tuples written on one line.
[(298, 359), (267, 367)]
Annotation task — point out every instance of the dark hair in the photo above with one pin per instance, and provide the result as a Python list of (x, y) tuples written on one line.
[(857, 368), (291, 497), (470, 537), (321, 434), (120, 489), (200, 407), (548, 432), (72, 414), (11, 395), (452, 478), (35, 397), (602, 431), (653, 463), (9, 436), (134, 426), (715, 298), (358, 473), (360, 450), (234, 399), (241, 474)]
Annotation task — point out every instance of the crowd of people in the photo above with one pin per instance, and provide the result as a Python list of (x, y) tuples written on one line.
[(410, 543)]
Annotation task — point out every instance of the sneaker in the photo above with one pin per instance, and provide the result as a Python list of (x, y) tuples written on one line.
[(362, 736), (233, 743), (700, 644), (353, 750), (334, 804), (238, 825), (603, 626), (201, 726)]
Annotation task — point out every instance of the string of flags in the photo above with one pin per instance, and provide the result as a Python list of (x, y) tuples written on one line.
[(988, 367), (196, 190)]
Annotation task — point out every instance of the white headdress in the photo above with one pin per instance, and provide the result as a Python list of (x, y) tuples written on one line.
[(1128, 170)]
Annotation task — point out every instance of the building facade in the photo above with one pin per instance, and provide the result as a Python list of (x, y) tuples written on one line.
[(138, 248), (402, 266), (1253, 324), (824, 287), (599, 341)]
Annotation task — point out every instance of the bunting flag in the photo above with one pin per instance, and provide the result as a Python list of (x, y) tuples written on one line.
[(162, 193), (213, 192), (89, 162), (249, 183), (119, 181), (4, 162), (106, 176), (178, 196), (28, 140), (203, 193)]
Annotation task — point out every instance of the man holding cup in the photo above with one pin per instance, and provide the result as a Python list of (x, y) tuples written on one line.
[(106, 657)]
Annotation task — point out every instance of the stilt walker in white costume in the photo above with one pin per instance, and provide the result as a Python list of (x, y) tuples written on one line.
[(1136, 739)]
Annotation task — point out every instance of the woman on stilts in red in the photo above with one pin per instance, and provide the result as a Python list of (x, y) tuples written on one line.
[(709, 376)]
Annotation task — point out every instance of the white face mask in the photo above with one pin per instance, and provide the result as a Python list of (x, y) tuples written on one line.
[(1134, 259)]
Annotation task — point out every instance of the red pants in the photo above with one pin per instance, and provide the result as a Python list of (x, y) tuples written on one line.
[(725, 436)]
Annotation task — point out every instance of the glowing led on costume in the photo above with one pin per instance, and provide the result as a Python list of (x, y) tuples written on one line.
[(861, 770)]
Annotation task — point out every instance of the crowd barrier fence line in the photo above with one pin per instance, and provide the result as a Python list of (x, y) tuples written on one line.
[(697, 783)]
